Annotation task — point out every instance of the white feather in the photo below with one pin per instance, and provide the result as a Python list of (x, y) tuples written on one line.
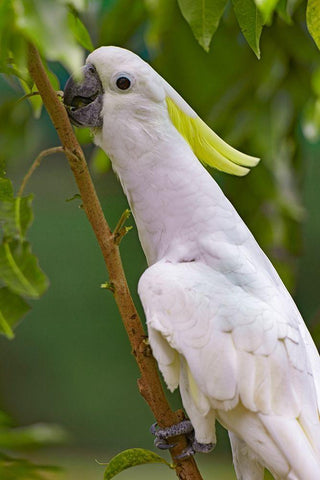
[(221, 323)]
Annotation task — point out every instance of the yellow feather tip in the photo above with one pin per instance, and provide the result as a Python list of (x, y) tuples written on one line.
[(207, 145)]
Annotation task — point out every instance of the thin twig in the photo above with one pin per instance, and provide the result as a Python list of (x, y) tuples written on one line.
[(36, 163), (27, 95), (149, 384), (120, 231)]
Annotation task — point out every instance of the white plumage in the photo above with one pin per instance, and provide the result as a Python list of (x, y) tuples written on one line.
[(221, 324)]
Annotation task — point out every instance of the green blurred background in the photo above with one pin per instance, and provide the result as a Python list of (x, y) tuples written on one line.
[(70, 362)]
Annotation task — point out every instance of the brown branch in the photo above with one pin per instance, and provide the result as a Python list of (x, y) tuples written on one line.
[(149, 383)]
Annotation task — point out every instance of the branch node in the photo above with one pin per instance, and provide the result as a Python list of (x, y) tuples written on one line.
[(74, 155), (120, 231), (76, 195), (108, 286), (27, 95), (120, 234), (144, 347)]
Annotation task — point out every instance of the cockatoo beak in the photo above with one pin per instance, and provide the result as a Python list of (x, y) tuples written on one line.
[(83, 98)]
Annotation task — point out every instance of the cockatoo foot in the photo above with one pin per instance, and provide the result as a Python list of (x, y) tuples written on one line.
[(162, 434), (180, 428), (183, 428), (195, 447)]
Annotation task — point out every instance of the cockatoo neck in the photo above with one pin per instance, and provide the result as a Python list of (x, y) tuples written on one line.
[(167, 187)]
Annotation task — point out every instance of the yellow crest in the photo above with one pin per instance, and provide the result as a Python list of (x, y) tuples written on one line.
[(207, 145)]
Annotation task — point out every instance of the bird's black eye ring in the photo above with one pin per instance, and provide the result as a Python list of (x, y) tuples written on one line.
[(123, 83)]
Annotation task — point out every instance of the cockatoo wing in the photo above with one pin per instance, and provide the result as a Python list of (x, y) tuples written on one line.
[(240, 351), (246, 265)]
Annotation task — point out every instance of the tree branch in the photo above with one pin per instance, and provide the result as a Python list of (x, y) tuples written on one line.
[(149, 383)]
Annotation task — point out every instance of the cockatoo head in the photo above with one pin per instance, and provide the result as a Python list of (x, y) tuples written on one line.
[(119, 94), (113, 80)]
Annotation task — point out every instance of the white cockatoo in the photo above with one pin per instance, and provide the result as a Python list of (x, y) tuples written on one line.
[(221, 324)]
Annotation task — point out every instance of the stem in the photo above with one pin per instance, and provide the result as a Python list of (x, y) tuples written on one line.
[(36, 163), (149, 383), (120, 231), (27, 95)]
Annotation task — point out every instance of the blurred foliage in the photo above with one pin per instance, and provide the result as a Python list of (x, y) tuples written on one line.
[(68, 363), (20, 275), (36, 21), (16, 468), (15, 438)]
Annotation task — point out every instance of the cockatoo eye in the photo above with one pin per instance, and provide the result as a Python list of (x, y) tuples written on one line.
[(123, 81)]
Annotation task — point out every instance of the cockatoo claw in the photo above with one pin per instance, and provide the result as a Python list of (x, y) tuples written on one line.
[(187, 452), (153, 428), (195, 447), (162, 434), (163, 444), (183, 428)]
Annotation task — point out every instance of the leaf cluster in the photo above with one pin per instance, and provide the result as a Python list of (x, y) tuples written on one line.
[(252, 16), (23, 21), (20, 274), (36, 21)]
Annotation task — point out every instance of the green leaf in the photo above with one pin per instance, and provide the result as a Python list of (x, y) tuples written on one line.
[(37, 21), (79, 5), (79, 31), (266, 7), (284, 12), (311, 121), (6, 31), (84, 135), (12, 309), (35, 101), (313, 20), (203, 16), (100, 162), (250, 21), (130, 458), (315, 82), (292, 6), (15, 213), (19, 269), (6, 190)]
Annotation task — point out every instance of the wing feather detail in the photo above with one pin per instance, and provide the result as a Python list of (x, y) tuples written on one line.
[(249, 360)]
